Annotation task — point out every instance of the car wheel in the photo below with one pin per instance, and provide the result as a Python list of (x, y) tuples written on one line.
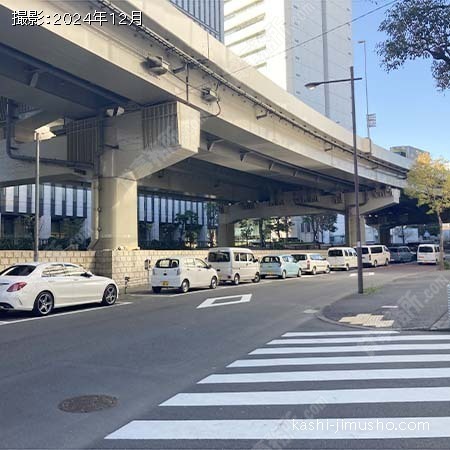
[(156, 289), (299, 273), (347, 267), (314, 271), (213, 283), (236, 279), (387, 262), (184, 287), (110, 295), (328, 270), (375, 263), (257, 278), (283, 275), (44, 303)]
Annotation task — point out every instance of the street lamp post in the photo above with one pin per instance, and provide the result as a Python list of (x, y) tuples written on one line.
[(41, 134), (352, 80)]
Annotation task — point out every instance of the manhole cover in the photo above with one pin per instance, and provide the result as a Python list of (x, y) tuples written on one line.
[(87, 403)]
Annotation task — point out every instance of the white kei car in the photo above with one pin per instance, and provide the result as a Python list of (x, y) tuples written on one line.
[(41, 287), (182, 273)]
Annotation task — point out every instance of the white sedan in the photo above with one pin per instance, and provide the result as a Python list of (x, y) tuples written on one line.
[(40, 287)]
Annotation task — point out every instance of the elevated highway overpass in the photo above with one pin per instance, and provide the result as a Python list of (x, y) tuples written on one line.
[(206, 125)]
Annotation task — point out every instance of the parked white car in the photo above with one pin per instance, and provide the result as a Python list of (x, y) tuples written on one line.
[(280, 266), (375, 255), (428, 254), (41, 287), (312, 263), (234, 264), (342, 258), (182, 273)]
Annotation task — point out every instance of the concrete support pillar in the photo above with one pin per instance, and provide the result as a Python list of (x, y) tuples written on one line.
[(118, 225), (350, 228), (225, 235), (384, 233)]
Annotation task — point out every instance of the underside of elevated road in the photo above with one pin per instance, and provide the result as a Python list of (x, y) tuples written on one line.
[(207, 125)]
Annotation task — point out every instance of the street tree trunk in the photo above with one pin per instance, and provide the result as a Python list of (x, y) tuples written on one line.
[(441, 243)]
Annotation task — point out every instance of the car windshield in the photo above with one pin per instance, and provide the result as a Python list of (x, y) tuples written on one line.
[(18, 271), (167, 263), (394, 250), (426, 249), (334, 252), (270, 259), (219, 257), (300, 257)]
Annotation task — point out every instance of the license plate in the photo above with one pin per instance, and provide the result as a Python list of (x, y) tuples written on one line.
[(165, 283)]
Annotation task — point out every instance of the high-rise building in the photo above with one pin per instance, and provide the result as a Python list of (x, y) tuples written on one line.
[(407, 151), (291, 42), (207, 13)]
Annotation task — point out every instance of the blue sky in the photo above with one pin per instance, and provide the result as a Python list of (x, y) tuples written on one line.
[(409, 108)]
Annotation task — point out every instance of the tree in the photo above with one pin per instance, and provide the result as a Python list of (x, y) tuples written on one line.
[(320, 223), (429, 182), (246, 229), (418, 29), (189, 226), (279, 225)]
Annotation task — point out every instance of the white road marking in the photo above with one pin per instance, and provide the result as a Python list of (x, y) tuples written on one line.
[(390, 306), (216, 301), (366, 340), (373, 359), (331, 375), (329, 397), (287, 429), (365, 274), (349, 349), (55, 315), (333, 333)]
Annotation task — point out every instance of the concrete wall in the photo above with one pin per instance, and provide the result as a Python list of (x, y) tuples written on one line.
[(116, 264)]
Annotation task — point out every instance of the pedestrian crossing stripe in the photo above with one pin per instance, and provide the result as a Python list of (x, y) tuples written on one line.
[(339, 333), (373, 359), (330, 375), (407, 337), (350, 349), (287, 429), (329, 397)]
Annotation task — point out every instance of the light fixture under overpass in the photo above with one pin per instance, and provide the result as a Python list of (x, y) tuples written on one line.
[(40, 134), (352, 80), (157, 65)]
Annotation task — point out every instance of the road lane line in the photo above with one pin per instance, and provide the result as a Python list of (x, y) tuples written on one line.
[(29, 319), (366, 340), (287, 429), (373, 359), (328, 397), (350, 349), (330, 375), (339, 333)]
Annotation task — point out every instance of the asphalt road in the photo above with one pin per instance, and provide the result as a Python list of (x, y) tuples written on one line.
[(151, 352)]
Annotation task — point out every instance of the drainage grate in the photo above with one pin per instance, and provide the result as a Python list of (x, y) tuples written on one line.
[(87, 403)]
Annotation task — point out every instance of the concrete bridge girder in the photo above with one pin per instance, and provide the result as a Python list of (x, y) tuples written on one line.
[(94, 51)]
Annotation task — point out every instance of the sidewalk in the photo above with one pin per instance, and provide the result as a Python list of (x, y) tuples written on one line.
[(407, 303)]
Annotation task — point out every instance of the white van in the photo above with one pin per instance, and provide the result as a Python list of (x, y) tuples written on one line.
[(428, 254), (234, 264), (375, 255), (342, 258)]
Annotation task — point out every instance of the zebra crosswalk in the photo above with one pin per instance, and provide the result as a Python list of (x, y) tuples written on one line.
[(331, 385)]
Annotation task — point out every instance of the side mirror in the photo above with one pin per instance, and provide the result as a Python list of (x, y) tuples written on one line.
[(87, 274), (255, 259), (209, 266)]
